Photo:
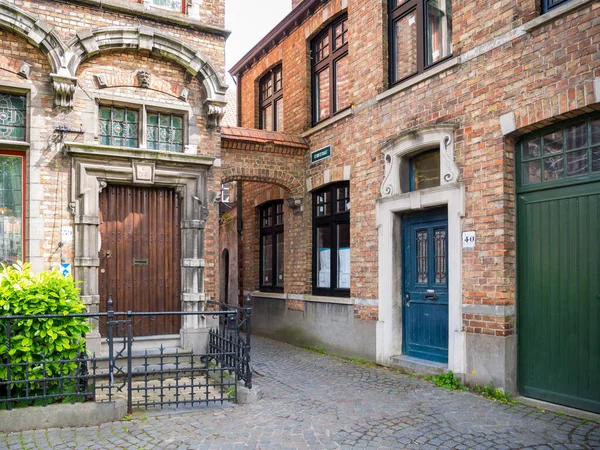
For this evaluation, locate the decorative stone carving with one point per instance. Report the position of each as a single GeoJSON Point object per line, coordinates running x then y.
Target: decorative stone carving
{"type": "Point", "coordinates": [451, 170]}
{"type": "Point", "coordinates": [102, 185]}
{"type": "Point", "coordinates": [183, 94]}
{"type": "Point", "coordinates": [144, 78]}
{"type": "Point", "coordinates": [215, 112]}
{"type": "Point", "coordinates": [295, 204]}
{"type": "Point", "coordinates": [64, 90]}
{"type": "Point", "coordinates": [24, 70]}
{"type": "Point", "coordinates": [101, 80]}
{"type": "Point", "coordinates": [143, 172]}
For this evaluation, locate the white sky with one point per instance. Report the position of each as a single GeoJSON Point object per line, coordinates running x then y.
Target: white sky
{"type": "Point", "coordinates": [249, 21]}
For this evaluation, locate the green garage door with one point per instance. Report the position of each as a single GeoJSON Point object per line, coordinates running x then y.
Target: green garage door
{"type": "Point", "coordinates": [558, 244]}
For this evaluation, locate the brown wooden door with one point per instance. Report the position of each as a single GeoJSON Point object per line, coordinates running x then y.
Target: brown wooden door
{"type": "Point", "coordinates": [140, 254]}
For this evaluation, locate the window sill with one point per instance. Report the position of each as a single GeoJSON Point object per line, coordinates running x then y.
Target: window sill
{"type": "Point", "coordinates": [14, 145]}
{"type": "Point", "coordinates": [158, 14]}
{"type": "Point", "coordinates": [305, 297]}
{"type": "Point", "coordinates": [555, 13]}
{"type": "Point", "coordinates": [436, 70]}
{"type": "Point", "coordinates": [88, 149]}
{"type": "Point", "coordinates": [327, 122]}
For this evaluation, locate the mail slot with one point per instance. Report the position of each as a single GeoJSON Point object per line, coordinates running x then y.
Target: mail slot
{"type": "Point", "coordinates": [140, 262]}
{"type": "Point", "coordinates": [429, 297]}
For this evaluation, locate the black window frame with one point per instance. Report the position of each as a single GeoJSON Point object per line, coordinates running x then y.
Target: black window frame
{"type": "Point", "coordinates": [333, 220]}
{"type": "Point", "coordinates": [397, 10]}
{"type": "Point", "coordinates": [275, 229]}
{"type": "Point", "coordinates": [327, 63]}
{"type": "Point", "coordinates": [270, 100]}
{"type": "Point", "coordinates": [548, 5]}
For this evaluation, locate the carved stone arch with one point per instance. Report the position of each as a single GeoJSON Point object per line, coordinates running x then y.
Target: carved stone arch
{"type": "Point", "coordinates": [88, 43]}
{"type": "Point", "coordinates": [413, 141]}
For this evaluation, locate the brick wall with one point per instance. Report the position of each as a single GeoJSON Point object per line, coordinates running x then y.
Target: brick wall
{"type": "Point", "coordinates": [545, 74]}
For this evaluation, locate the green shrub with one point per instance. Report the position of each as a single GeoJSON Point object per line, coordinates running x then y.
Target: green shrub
{"type": "Point", "coordinates": [447, 380]}
{"type": "Point", "coordinates": [493, 393]}
{"type": "Point", "coordinates": [34, 340]}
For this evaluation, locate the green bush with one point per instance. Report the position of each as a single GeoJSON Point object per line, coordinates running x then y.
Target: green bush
{"type": "Point", "coordinates": [35, 340]}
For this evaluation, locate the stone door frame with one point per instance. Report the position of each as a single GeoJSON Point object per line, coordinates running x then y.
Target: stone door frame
{"type": "Point", "coordinates": [93, 168]}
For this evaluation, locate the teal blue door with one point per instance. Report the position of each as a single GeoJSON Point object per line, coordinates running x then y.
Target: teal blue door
{"type": "Point", "coordinates": [425, 294]}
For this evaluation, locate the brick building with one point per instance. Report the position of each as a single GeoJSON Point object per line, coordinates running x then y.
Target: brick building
{"type": "Point", "coordinates": [420, 187]}
{"type": "Point", "coordinates": [110, 151]}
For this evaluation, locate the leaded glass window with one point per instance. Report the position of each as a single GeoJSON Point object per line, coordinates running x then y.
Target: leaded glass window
{"type": "Point", "coordinates": [556, 154]}
{"type": "Point", "coordinates": [165, 132]}
{"type": "Point", "coordinates": [119, 127]}
{"type": "Point", "coordinates": [12, 117]}
{"type": "Point", "coordinates": [11, 208]}
{"type": "Point", "coordinates": [425, 170]}
{"type": "Point", "coordinates": [176, 5]}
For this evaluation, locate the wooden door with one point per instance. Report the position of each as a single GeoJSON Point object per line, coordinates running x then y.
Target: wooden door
{"type": "Point", "coordinates": [425, 296]}
{"type": "Point", "coordinates": [559, 295]}
{"type": "Point", "coordinates": [140, 254]}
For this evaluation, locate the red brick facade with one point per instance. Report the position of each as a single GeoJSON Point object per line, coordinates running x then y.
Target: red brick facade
{"type": "Point", "coordinates": [508, 61]}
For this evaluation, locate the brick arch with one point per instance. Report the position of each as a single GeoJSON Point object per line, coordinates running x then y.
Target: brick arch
{"type": "Point", "coordinates": [259, 174]}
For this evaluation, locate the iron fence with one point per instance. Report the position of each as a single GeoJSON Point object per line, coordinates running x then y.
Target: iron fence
{"type": "Point", "coordinates": [155, 377]}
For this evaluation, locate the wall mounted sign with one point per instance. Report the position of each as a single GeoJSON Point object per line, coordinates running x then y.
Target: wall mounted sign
{"type": "Point", "coordinates": [468, 239]}
{"type": "Point", "coordinates": [322, 153]}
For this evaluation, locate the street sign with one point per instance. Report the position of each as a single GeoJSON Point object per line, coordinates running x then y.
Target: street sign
{"type": "Point", "coordinates": [320, 154]}
{"type": "Point", "coordinates": [65, 269]}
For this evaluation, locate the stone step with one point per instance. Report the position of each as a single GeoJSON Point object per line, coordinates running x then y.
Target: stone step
{"type": "Point", "coordinates": [418, 366]}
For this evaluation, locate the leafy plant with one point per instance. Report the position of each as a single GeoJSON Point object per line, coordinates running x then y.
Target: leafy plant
{"type": "Point", "coordinates": [319, 350]}
{"type": "Point", "coordinates": [230, 392]}
{"type": "Point", "coordinates": [492, 393]}
{"type": "Point", "coordinates": [447, 380]}
{"type": "Point", "coordinates": [36, 345]}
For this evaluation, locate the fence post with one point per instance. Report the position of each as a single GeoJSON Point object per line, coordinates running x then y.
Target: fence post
{"type": "Point", "coordinates": [129, 357]}
{"type": "Point", "coordinates": [248, 314]}
{"type": "Point", "coordinates": [8, 364]}
{"type": "Point", "coordinates": [111, 357]}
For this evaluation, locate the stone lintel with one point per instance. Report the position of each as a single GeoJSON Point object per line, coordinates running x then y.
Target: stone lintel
{"type": "Point", "coordinates": [489, 310]}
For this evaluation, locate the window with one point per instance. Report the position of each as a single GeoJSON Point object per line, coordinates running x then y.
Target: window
{"type": "Point", "coordinates": [547, 5]}
{"type": "Point", "coordinates": [556, 154]}
{"type": "Point", "coordinates": [12, 117]}
{"type": "Point", "coordinates": [425, 170]}
{"type": "Point", "coordinates": [122, 127]}
{"type": "Point", "coordinates": [174, 5]}
{"type": "Point", "coordinates": [271, 101]}
{"type": "Point", "coordinates": [420, 35]}
{"type": "Point", "coordinates": [331, 240]}
{"type": "Point", "coordinates": [271, 246]}
{"type": "Point", "coordinates": [330, 70]}
{"type": "Point", "coordinates": [12, 218]}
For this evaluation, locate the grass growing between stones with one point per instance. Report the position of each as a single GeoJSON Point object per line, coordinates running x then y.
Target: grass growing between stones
{"type": "Point", "coordinates": [495, 394]}
{"type": "Point", "coordinates": [351, 359]}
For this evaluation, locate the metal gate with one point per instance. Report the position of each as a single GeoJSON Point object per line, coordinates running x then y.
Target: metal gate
{"type": "Point", "coordinates": [153, 378]}
{"type": "Point", "coordinates": [558, 244]}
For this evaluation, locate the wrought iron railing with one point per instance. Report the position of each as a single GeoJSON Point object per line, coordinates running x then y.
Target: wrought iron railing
{"type": "Point", "coordinates": [145, 379]}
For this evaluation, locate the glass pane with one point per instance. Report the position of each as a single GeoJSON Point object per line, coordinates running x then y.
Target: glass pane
{"type": "Point", "coordinates": [119, 127]}
{"type": "Point", "coordinates": [324, 204]}
{"type": "Point", "coordinates": [343, 199]}
{"type": "Point", "coordinates": [164, 132]}
{"type": "Point", "coordinates": [266, 87]}
{"type": "Point", "coordinates": [342, 84]}
{"type": "Point", "coordinates": [278, 80]}
{"type": "Point", "coordinates": [596, 159]}
{"type": "Point", "coordinates": [439, 238]}
{"type": "Point", "coordinates": [426, 170]}
{"type": "Point", "coordinates": [11, 209]}
{"type": "Point", "coordinates": [531, 149]}
{"type": "Point", "coordinates": [322, 89]}
{"type": "Point", "coordinates": [12, 117]}
{"type": "Point", "coordinates": [279, 115]}
{"type": "Point", "coordinates": [421, 255]}
{"type": "Point", "coordinates": [595, 125]}
{"type": "Point", "coordinates": [279, 214]}
{"type": "Point", "coordinates": [267, 260]}
{"type": "Point", "coordinates": [576, 136]}
{"type": "Point", "coordinates": [532, 172]}
{"type": "Point", "coordinates": [323, 257]}
{"type": "Point", "coordinates": [577, 163]}
{"type": "Point", "coordinates": [169, 4]}
{"type": "Point", "coordinates": [554, 167]}
{"type": "Point", "coordinates": [405, 46]}
{"type": "Point", "coordinates": [280, 260]}
{"type": "Point", "coordinates": [553, 143]}
{"type": "Point", "coordinates": [268, 118]}
{"type": "Point", "coordinates": [322, 49]}
{"type": "Point", "coordinates": [340, 33]}
{"type": "Point", "coordinates": [343, 275]}
{"type": "Point", "coordinates": [438, 29]}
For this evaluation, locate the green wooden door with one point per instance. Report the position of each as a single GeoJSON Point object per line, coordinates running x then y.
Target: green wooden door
{"type": "Point", "coordinates": [558, 241]}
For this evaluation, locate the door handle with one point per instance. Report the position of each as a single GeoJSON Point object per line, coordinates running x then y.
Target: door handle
{"type": "Point", "coordinates": [108, 254]}
{"type": "Point", "coordinates": [429, 297]}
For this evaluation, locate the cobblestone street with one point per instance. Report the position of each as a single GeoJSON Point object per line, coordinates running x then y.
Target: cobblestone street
{"type": "Point", "coordinates": [316, 401]}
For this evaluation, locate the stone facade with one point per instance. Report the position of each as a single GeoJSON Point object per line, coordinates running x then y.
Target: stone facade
{"type": "Point", "coordinates": [513, 69]}
{"type": "Point", "coordinates": [68, 58]}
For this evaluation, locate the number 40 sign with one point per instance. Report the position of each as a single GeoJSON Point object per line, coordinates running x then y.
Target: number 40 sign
{"type": "Point", "coordinates": [468, 239]}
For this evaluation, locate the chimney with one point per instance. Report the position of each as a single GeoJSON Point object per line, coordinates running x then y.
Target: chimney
{"type": "Point", "coordinates": [296, 3]}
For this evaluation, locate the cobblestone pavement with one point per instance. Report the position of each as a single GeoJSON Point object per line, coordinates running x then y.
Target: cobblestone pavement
{"type": "Point", "coordinates": [322, 402]}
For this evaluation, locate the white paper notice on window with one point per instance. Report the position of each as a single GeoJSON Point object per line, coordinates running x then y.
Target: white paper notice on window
{"type": "Point", "coordinates": [67, 234]}
{"type": "Point", "coordinates": [344, 268]}
{"type": "Point", "coordinates": [411, 20]}
{"type": "Point", "coordinates": [324, 268]}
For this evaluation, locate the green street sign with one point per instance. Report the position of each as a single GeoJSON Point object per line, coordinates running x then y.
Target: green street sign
{"type": "Point", "coordinates": [320, 154]}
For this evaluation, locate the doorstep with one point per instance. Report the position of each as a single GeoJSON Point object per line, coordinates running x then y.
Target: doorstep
{"type": "Point", "coordinates": [556, 408]}
{"type": "Point", "coordinates": [418, 366]}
